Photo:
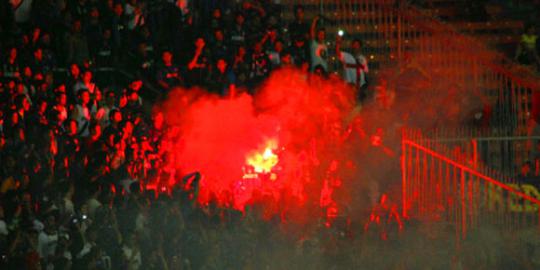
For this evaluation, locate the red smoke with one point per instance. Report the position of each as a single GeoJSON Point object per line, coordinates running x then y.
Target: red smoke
{"type": "Point", "coordinates": [308, 117]}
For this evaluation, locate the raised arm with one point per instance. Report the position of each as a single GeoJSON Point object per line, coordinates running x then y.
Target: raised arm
{"type": "Point", "coordinates": [313, 31]}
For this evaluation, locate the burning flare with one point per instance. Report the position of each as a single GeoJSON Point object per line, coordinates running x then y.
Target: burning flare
{"type": "Point", "coordinates": [263, 160]}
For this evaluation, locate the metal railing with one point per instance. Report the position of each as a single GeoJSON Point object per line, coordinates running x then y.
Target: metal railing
{"type": "Point", "coordinates": [494, 148]}
{"type": "Point", "coordinates": [445, 186]}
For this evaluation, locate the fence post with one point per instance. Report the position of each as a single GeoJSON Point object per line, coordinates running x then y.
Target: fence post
{"type": "Point", "coordinates": [463, 204]}
{"type": "Point", "coordinates": [404, 177]}
{"type": "Point", "coordinates": [474, 143]}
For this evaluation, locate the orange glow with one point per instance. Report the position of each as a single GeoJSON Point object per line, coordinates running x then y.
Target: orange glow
{"type": "Point", "coordinates": [264, 159]}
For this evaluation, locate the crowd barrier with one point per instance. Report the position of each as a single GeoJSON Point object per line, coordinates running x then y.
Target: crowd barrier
{"type": "Point", "coordinates": [493, 148]}
{"type": "Point", "coordinates": [446, 186]}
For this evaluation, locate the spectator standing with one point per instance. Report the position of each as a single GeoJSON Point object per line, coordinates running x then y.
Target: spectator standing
{"type": "Point", "coordinates": [222, 80]}
{"type": "Point", "coordinates": [260, 66]}
{"type": "Point", "coordinates": [318, 48]}
{"type": "Point", "coordinates": [527, 53]}
{"type": "Point", "coordinates": [168, 74]}
{"type": "Point", "coordinates": [299, 28]}
{"type": "Point", "coordinates": [198, 64]}
{"type": "Point", "coordinates": [355, 66]}
{"type": "Point", "coordinates": [241, 67]}
{"type": "Point", "coordinates": [77, 44]}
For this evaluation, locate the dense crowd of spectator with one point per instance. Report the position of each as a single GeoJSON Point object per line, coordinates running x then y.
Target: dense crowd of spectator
{"type": "Point", "coordinates": [75, 149]}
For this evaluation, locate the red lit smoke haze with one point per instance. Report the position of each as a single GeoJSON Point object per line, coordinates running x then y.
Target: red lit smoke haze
{"type": "Point", "coordinates": [323, 139]}
{"type": "Point", "coordinates": [216, 133]}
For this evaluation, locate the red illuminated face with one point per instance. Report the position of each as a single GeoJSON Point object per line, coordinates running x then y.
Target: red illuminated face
{"type": "Point", "coordinates": [167, 58]}
{"type": "Point", "coordinates": [14, 118]}
{"type": "Point", "coordinates": [77, 26]}
{"type": "Point", "coordinates": [38, 54]}
{"type": "Point", "coordinates": [299, 14]}
{"type": "Point", "coordinates": [74, 70]}
{"type": "Point", "coordinates": [241, 51]}
{"type": "Point", "coordinates": [27, 72]}
{"type": "Point", "coordinates": [134, 97]}
{"type": "Point", "coordinates": [62, 99]}
{"type": "Point", "coordinates": [118, 9]}
{"type": "Point", "coordinates": [73, 127]}
{"type": "Point", "coordinates": [218, 34]}
{"type": "Point", "coordinates": [321, 35]}
{"type": "Point", "coordinates": [136, 85]}
{"type": "Point", "coordinates": [221, 65]}
{"type": "Point", "coordinates": [117, 117]}
{"type": "Point", "coordinates": [356, 45]}
{"type": "Point", "coordinates": [94, 13]}
{"type": "Point", "coordinates": [13, 53]}
{"type": "Point", "coordinates": [87, 77]}
{"type": "Point", "coordinates": [216, 13]}
{"type": "Point", "coordinates": [85, 97]}
{"type": "Point", "coordinates": [199, 43]}
{"type": "Point", "coordinates": [43, 107]}
{"type": "Point", "coordinates": [96, 131]}
{"type": "Point", "coordinates": [26, 104]}
{"type": "Point", "coordinates": [158, 120]}
{"type": "Point", "coordinates": [239, 19]}
{"type": "Point", "coordinates": [278, 47]}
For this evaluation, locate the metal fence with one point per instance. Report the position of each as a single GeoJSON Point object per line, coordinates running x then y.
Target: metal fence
{"type": "Point", "coordinates": [442, 185]}
{"type": "Point", "coordinates": [496, 149]}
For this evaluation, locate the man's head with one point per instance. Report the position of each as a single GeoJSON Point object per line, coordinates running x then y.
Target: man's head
{"type": "Point", "coordinates": [221, 65]}
{"type": "Point", "coordinates": [321, 35]}
{"type": "Point", "coordinates": [286, 59]}
{"type": "Point", "coordinates": [218, 34]}
{"type": "Point", "coordinates": [76, 26]}
{"type": "Point", "coordinates": [278, 46]}
{"type": "Point", "coordinates": [61, 98]}
{"type": "Point", "coordinates": [87, 76]}
{"type": "Point", "coordinates": [299, 42]}
{"type": "Point", "coordinates": [356, 44]}
{"type": "Point", "coordinates": [13, 53]}
{"type": "Point", "coordinates": [299, 12]}
{"type": "Point", "coordinates": [199, 43]}
{"type": "Point", "coordinates": [115, 116]}
{"type": "Point", "coordinates": [42, 105]}
{"type": "Point", "coordinates": [158, 119]}
{"type": "Point", "coordinates": [239, 19]}
{"type": "Point", "coordinates": [118, 9]}
{"type": "Point", "coordinates": [38, 54]}
{"type": "Point", "coordinates": [166, 57]}
{"type": "Point", "coordinates": [110, 98]}
{"type": "Point", "coordinates": [136, 85]}
{"type": "Point", "coordinates": [72, 126]}
{"type": "Point", "coordinates": [84, 96]}
{"type": "Point", "coordinates": [74, 70]}
{"type": "Point", "coordinates": [94, 13]}
{"type": "Point", "coordinates": [95, 130]}
{"type": "Point", "coordinates": [216, 13]}
{"type": "Point", "coordinates": [133, 96]}
{"type": "Point", "coordinates": [22, 103]}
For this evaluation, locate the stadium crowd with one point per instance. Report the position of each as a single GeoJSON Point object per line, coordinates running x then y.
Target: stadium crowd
{"type": "Point", "coordinates": [76, 148]}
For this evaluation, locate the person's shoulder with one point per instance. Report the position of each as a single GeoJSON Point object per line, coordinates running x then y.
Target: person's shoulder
{"type": "Point", "coordinates": [347, 57]}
